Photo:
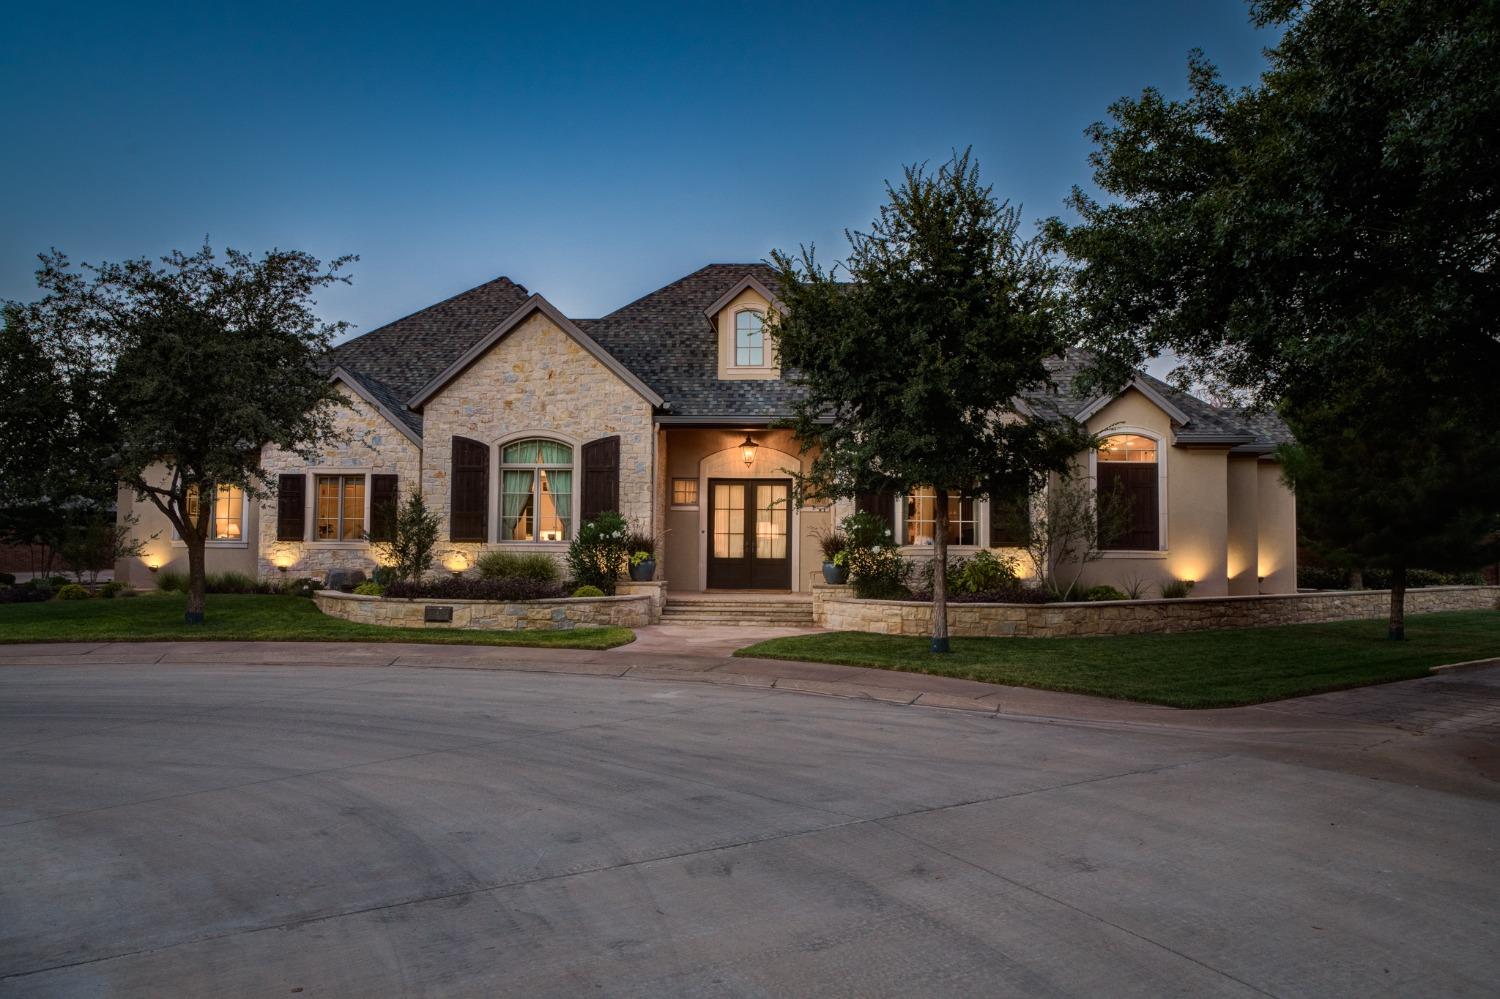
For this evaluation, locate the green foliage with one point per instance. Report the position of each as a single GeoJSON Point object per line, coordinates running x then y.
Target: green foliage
{"type": "Point", "coordinates": [1069, 529]}
{"type": "Point", "coordinates": [588, 591]}
{"type": "Point", "coordinates": [171, 581]}
{"type": "Point", "coordinates": [500, 564]}
{"type": "Point", "coordinates": [369, 589]}
{"type": "Point", "coordinates": [6, 579]}
{"type": "Point", "coordinates": [1176, 589]}
{"type": "Point", "coordinates": [879, 573]}
{"type": "Point", "coordinates": [90, 546]}
{"type": "Point", "coordinates": [982, 572]}
{"type": "Point", "coordinates": [111, 589]}
{"type": "Point", "coordinates": [1103, 592]}
{"type": "Point", "coordinates": [865, 530]}
{"type": "Point", "coordinates": [832, 544]}
{"type": "Point", "coordinates": [600, 552]}
{"type": "Point", "coordinates": [414, 538]}
{"type": "Point", "coordinates": [232, 582]}
{"type": "Point", "coordinates": [641, 541]}
{"type": "Point", "coordinates": [73, 591]}
{"type": "Point", "coordinates": [127, 592]}
{"type": "Point", "coordinates": [304, 587]}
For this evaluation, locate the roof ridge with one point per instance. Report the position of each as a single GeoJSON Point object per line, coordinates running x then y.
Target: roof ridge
{"type": "Point", "coordinates": [500, 279]}
{"type": "Point", "coordinates": [677, 281]}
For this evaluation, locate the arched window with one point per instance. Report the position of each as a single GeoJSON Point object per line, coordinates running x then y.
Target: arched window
{"type": "Point", "coordinates": [536, 491]}
{"type": "Point", "coordinates": [1127, 467]}
{"type": "Point", "coordinates": [749, 339]}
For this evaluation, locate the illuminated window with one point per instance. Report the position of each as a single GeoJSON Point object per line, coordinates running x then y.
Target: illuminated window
{"type": "Point", "coordinates": [1127, 447]}
{"type": "Point", "coordinates": [921, 518]}
{"type": "Point", "coordinates": [1127, 472]}
{"type": "Point", "coordinates": [749, 339]}
{"type": "Point", "coordinates": [228, 523]}
{"type": "Point", "coordinates": [536, 491]}
{"type": "Point", "coordinates": [684, 492]}
{"type": "Point", "coordinates": [340, 508]}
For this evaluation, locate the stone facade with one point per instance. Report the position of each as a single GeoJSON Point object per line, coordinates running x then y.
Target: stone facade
{"type": "Point", "coordinates": [371, 444]}
{"type": "Point", "coordinates": [834, 608]}
{"type": "Point", "coordinates": [565, 614]}
{"type": "Point", "coordinates": [537, 381]}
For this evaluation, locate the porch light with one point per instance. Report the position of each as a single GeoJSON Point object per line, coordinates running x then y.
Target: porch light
{"type": "Point", "coordinates": [747, 450]}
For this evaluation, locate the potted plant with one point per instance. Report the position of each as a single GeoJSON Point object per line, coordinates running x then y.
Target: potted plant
{"type": "Point", "coordinates": [835, 545]}
{"type": "Point", "coordinates": [642, 556]}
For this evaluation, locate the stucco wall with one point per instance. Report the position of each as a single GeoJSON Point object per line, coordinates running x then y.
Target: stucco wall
{"type": "Point", "coordinates": [833, 608]}
{"type": "Point", "coordinates": [537, 380]}
{"type": "Point", "coordinates": [169, 554]}
{"type": "Point", "coordinates": [1276, 531]}
{"type": "Point", "coordinates": [530, 615]}
{"type": "Point", "coordinates": [1244, 526]}
{"type": "Point", "coordinates": [371, 444]}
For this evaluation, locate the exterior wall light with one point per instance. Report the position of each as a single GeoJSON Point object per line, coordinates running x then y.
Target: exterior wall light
{"type": "Point", "coordinates": [154, 564]}
{"type": "Point", "coordinates": [457, 562]}
{"type": "Point", "coordinates": [747, 450]}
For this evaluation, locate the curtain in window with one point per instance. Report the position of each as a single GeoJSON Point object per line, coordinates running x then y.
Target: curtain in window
{"type": "Point", "coordinates": [515, 498]}
{"type": "Point", "coordinates": [537, 452]}
{"type": "Point", "coordinates": [558, 484]}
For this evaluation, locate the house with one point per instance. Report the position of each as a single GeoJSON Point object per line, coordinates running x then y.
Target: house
{"type": "Point", "coordinates": [518, 423]}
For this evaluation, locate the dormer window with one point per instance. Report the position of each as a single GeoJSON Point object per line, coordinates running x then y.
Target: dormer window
{"type": "Point", "coordinates": [749, 339]}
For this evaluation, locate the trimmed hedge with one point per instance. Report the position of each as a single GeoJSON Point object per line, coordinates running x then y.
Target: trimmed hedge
{"type": "Point", "coordinates": [466, 588]}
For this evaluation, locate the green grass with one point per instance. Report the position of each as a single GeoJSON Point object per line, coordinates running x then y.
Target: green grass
{"type": "Point", "coordinates": [251, 618]}
{"type": "Point", "coordinates": [1204, 669]}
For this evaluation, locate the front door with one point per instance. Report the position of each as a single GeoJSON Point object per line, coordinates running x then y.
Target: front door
{"type": "Point", "coordinates": [749, 544]}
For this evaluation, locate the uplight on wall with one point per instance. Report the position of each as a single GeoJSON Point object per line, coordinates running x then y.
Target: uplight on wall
{"type": "Point", "coordinates": [284, 561]}
{"type": "Point", "coordinates": [154, 563]}
{"type": "Point", "coordinates": [456, 563]}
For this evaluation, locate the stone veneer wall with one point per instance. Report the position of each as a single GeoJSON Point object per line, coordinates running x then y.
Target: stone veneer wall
{"type": "Point", "coordinates": [564, 614]}
{"type": "Point", "coordinates": [834, 608]}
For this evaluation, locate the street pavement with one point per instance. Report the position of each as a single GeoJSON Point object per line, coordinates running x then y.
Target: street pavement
{"type": "Point", "coordinates": [342, 820]}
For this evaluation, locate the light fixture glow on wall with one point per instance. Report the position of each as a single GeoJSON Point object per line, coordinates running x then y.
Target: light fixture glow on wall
{"type": "Point", "coordinates": [747, 450]}
{"type": "Point", "coordinates": [154, 564]}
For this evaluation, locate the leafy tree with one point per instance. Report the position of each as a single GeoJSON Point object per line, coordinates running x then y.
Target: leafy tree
{"type": "Point", "coordinates": [414, 537]}
{"type": "Point", "coordinates": [95, 545]}
{"type": "Point", "coordinates": [913, 367]}
{"type": "Point", "coordinates": [204, 362]}
{"type": "Point", "coordinates": [1324, 242]}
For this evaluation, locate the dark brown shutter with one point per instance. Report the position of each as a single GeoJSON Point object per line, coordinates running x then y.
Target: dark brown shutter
{"type": "Point", "coordinates": [601, 476]}
{"type": "Point", "coordinates": [882, 503]}
{"type": "Point", "coordinates": [291, 507]}
{"type": "Point", "coordinates": [1137, 482]}
{"type": "Point", "coordinates": [383, 507]}
{"type": "Point", "coordinates": [1010, 514]}
{"type": "Point", "coordinates": [469, 502]}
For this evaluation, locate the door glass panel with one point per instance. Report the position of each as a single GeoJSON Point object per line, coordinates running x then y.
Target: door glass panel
{"type": "Point", "coordinates": [729, 520]}
{"type": "Point", "coordinates": [770, 521]}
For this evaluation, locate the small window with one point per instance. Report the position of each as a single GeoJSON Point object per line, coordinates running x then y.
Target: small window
{"type": "Point", "coordinates": [1127, 447]}
{"type": "Point", "coordinates": [749, 339]}
{"type": "Point", "coordinates": [228, 523]}
{"type": "Point", "coordinates": [684, 492]}
{"type": "Point", "coordinates": [341, 508]}
{"type": "Point", "coordinates": [921, 518]}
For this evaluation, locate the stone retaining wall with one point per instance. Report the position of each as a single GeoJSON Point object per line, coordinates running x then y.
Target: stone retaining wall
{"type": "Point", "coordinates": [564, 614]}
{"type": "Point", "coordinates": [834, 608]}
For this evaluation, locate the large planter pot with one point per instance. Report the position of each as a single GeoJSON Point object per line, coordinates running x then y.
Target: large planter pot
{"type": "Point", "coordinates": [642, 573]}
{"type": "Point", "coordinates": [838, 575]}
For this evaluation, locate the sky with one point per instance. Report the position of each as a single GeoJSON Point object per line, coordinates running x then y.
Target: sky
{"type": "Point", "coordinates": [589, 152]}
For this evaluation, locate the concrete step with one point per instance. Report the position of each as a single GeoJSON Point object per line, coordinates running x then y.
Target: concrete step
{"type": "Point", "coordinates": [691, 614]}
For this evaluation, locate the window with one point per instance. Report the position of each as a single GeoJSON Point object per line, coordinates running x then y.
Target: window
{"type": "Point", "coordinates": [341, 508]}
{"type": "Point", "coordinates": [749, 339]}
{"type": "Point", "coordinates": [536, 491]}
{"type": "Point", "coordinates": [684, 492]}
{"type": "Point", "coordinates": [228, 522]}
{"type": "Point", "coordinates": [921, 518]}
{"type": "Point", "coordinates": [1127, 468]}
{"type": "Point", "coordinates": [1010, 514]}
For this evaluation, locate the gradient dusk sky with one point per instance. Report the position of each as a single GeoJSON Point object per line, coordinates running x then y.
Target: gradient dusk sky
{"type": "Point", "coordinates": [591, 153]}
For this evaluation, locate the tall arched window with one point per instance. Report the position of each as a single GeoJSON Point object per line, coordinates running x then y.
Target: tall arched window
{"type": "Point", "coordinates": [536, 491]}
{"type": "Point", "coordinates": [749, 339]}
{"type": "Point", "coordinates": [1127, 466]}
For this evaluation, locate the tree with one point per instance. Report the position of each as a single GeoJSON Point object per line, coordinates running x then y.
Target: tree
{"type": "Point", "coordinates": [1324, 242]}
{"type": "Point", "coordinates": [1068, 528]}
{"type": "Point", "coordinates": [203, 362]}
{"type": "Point", "coordinates": [414, 537]}
{"type": "Point", "coordinates": [913, 367]}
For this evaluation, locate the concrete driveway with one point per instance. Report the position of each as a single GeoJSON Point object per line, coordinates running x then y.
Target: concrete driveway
{"type": "Point", "coordinates": [203, 828]}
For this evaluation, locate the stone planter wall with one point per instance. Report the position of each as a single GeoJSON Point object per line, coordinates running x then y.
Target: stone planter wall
{"type": "Point", "coordinates": [632, 611]}
{"type": "Point", "coordinates": [835, 608]}
{"type": "Point", "coordinates": [656, 589]}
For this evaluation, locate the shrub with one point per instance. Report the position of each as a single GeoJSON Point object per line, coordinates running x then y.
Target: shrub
{"type": "Point", "coordinates": [172, 582]}
{"type": "Point", "coordinates": [127, 592]}
{"type": "Point", "coordinates": [385, 575]}
{"type": "Point", "coordinates": [865, 530]}
{"type": "Point", "coordinates": [6, 579]}
{"type": "Point", "coordinates": [25, 594]}
{"type": "Point", "coordinates": [304, 587]}
{"type": "Point", "coordinates": [518, 565]}
{"type": "Point", "coordinates": [73, 591]}
{"type": "Point", "coordinates": [1011, 595]}
{"type": "Point", "coordinates": [1176, 589]}
{"type": "Point", "coordinates": [588, 591]}
{"type": "Point", "coordinates": [111, 589]}
{"type": "Point", "coordinates": [831, 543]}
{"type": "Point", "coordinates": [369, 589]}
{"type": "Point", "coordinates": [983, 572]}
{"type": "Point", "coordinates": [466, 588]}
{"type": "Point", "coordinates": [600, 552]}
{"type": "Point", "coordinates": [1103, 593]}
{"type": "Point", "coordinates": [56, 582]}
{"type": "Point", "coordinates": [230, 582]}
{"type": "Point", "coordinates": [879, 573]}
{"type": "Point", "coordinates": [414, 537]}
{"type": "Point", "coordinates": [640, 541]}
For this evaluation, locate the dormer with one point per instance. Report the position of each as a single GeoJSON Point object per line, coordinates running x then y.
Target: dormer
{"type": "Point", "coordinates": [741, 317]}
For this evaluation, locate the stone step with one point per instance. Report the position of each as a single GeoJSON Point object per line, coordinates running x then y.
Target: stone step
{"type": "Point", "coordinates": [804, 618]}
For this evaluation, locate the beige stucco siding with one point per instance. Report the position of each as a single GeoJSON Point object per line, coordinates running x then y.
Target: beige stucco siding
{"type": "Point", "coordinates": [1243, 556]}
{"type": "Point", "coordinates": [163, 550]}
{"type": "Point", "coordinates": [538, 381]}
{"type": "Point", "coordinates": [1276, 531]}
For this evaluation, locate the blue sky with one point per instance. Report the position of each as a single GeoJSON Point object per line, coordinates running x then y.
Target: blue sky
{"type": "Point", "coordinates": [591, 153]}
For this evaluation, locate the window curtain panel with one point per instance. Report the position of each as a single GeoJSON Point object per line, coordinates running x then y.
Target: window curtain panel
{"type": "Point", "coordinates": [560, 485]}
{"type": "Point", "coordinates": [537, 452]}
{"type": "Point", "coordinates": [515, 496]}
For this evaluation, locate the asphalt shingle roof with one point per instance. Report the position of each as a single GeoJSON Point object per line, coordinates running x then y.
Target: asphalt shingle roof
{"type": "Point", "coordinates": [666, 339]}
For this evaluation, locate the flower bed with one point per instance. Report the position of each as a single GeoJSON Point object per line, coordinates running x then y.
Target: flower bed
{"type": "Point", "coordinates": [549, 614]}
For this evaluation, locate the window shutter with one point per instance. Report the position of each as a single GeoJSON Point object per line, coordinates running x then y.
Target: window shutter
{"type": "Point", "coordinates": [882, 503]}
{"type": "Point", "coordinates": [601, 476]}
{"type": "Point", "coordinates": [383, 507]}
{"type": "Point", "coordinates": [291, 507]}
{"type": "Point", "coordinates": [469, 485]}
{"type": "Point", "coordinates": [1010, 514]}
{"type": "Point", "coordinates": [1137, 483]}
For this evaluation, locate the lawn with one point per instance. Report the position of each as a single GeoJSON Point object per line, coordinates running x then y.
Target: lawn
{"type": "Point", "coordinates": [1203, 669]}
{"type": "Point", "coordinates": [246, 618]}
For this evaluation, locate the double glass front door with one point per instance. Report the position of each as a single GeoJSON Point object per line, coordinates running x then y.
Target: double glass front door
{"type": "Point", "coordinates": [749, 541]}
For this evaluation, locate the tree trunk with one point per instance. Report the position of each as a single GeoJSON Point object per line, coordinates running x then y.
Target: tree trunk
{"type": "Point", "coordinates": [940, 641]}
{"type": "Point", "coordinates": [197, 582]}
{"type": "Point", "coordinates": [1356, 579]}
{"type": "Point", "coordinates": [1396, 631]}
